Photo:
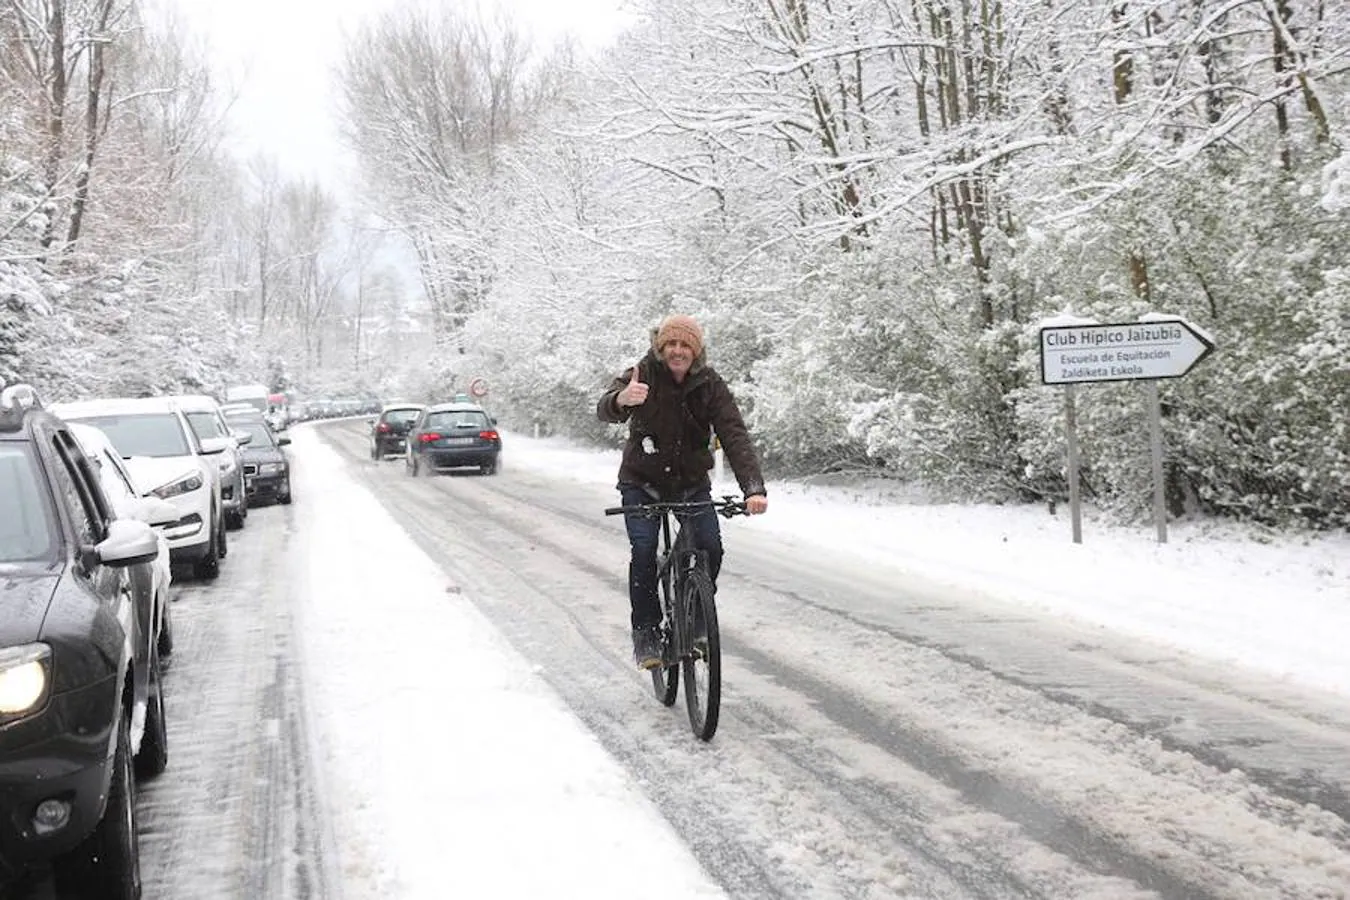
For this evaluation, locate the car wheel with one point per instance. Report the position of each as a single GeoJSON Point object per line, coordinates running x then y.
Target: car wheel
{"type": "Point", "coordinates": [375, 451]}
{"type": "Point", "coordinates": [223, 545]}
{"type": "Point", "coordinates": [416, 468]}
{"type": "Point", "coordinates": [208, 567]}
{"type": "Point", "coordinates": [164, 643]}
{"type": "Point", "coordinates": [285, 499]}
{"type": "Point", "coordinates": [153, 756]}
{"type": "Point", "coordinates": [107, 863]}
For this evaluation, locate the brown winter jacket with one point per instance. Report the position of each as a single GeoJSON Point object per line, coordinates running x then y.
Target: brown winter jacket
{"type": "Point", "coordinates": [670, 435]}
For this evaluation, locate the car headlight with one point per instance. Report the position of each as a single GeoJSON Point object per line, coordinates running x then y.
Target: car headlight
{"type": "Point", "coordinates": [181, 486]}
{"type": "Point", "coordinates": [271, 468]}
{"type": "Point", "coordinates": [24, 677]}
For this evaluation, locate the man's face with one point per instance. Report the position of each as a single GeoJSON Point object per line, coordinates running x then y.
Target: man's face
{"type": "Point", "coordinates": [678, 357]}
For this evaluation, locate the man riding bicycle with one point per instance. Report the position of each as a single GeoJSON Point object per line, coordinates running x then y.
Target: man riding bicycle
{"type": "Point", "coordinates": [674, 403]}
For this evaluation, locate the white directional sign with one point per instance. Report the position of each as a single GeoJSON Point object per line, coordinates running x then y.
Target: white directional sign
{"type": "Point", "coordinates": [1124, 351]}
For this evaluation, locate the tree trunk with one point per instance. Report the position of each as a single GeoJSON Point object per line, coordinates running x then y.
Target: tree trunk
{"type": "Point", "coordinates": [93, 99]}
{"type": "Point", "coordinates": [1279, 21]}
{"type": "Point", "coordinates": [57, 88]}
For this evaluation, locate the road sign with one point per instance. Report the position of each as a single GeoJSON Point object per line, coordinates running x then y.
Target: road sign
{"type": "Point", "coordinates": [478, 387]}
{"type": "Point", "coordinates": [1124, 351]}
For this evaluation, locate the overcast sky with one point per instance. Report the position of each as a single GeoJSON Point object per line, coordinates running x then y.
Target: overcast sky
{"type": "Point", "coordinates": [279, 56]}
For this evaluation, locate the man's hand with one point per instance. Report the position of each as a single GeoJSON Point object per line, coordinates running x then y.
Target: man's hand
{"type": "Point", "coordinates": [635, 394]}
{"type": "Point", "coordinates": [756, 504]}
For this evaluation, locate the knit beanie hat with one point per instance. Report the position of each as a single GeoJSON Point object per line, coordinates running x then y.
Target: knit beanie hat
{"type": "Point", "coordinates": [682, 328]}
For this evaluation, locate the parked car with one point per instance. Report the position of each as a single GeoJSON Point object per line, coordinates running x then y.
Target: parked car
{"type": "Point", "coordinates": [389, 430]}
{"type": "Point", "coordinates": [265, 463]}
{"type": "Point", "coordinates": [254, 395]}
{"type": "Point", "coordinates": [80, 698]}
{"type": "Point", "coordinates": [204, 415]}
{"type": "Point", "coordinates": [150, 583]}
{"type": "Point", "coordinates": [454, 435]}
{"type": "Point", "coordinates": [164, 454]}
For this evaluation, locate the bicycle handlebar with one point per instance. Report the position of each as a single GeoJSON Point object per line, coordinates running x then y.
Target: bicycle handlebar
{"type": "Point", "coordinates": [726, 507]}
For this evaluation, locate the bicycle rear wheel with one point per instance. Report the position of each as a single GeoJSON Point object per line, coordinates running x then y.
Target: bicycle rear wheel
{"type": "Point", "coordinates": [703, 665]}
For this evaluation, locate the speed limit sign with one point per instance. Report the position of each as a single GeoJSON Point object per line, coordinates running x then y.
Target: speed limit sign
{"type": "Point", "coordinates": [478, 387]}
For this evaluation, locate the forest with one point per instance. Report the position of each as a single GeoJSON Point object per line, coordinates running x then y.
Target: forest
{"type": "Point", "coordinates": [873, 206]}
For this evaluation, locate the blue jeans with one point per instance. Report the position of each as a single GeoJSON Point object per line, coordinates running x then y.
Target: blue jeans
{"type": "Point", "coordinates": [644, 537]}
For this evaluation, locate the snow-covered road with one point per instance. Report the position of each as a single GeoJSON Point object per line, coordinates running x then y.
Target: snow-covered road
{"type": "Point", "coordinates": [882, 739]}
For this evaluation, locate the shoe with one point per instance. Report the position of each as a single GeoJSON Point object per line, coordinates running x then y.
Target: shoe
{"type": "Point", "coordinates": [647, 647]}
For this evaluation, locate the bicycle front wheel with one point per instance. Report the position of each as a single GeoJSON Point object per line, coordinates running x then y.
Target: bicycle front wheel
{"type": "Point", "coordinates": [703, 664]}
{"type": "Point", "coordinates": [666, 682]}
{"type": "Point", "coordinates": [666, 677]}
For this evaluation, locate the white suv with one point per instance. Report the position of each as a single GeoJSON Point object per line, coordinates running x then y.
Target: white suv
{"type": "Point", "coordinates": [203, 414]}
{"type": "Point", "coordinates": [166, 456]}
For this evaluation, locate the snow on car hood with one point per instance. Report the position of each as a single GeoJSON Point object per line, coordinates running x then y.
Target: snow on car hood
{"type": "Point", "coordinates": [262, 455]}
{"type": "Point", "coordinates": [153, 472]}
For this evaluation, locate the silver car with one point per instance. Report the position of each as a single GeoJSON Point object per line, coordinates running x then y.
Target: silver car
{"type": "Point", "coordinates": [204, 415]}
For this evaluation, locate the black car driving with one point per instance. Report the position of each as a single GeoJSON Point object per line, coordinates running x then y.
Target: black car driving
{"type": "Point", "coordinates": [389, 431]}
{"type": "Point", "coordinates": [451, 436]}
{"type": "Point", "coordinates": [81, 708]}
{"type": "Point", "coordinates": [267, 468]}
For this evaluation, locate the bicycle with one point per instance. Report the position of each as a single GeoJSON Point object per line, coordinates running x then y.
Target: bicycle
{"type": "Point", "coordinates": [690, 637]}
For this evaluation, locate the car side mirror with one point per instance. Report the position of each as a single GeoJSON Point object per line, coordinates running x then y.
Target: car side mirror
{"type": "Point", "coordinates": [128, 543]}
{"type": "Point", "coordinates": [213, 445]}
{"type": "Point", "coordinates": [282, 440]}
{"type": "Point", "coordinates": [242, 437]}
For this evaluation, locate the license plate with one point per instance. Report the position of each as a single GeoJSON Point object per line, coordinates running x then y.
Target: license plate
{"type": "Point", "coordinates": [457, 442]}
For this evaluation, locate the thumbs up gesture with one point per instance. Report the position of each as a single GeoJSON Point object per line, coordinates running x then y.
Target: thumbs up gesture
{"type": "Point", "coordinates": [634, 393]}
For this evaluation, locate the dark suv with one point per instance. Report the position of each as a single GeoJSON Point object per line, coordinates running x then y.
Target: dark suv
{"type": "Point", "coordinates": [389, 431]}
{"type": "Point", "coordinates": [80, 698]}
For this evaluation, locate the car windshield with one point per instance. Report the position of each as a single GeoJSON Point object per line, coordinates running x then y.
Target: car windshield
{"type": "Point", "coordinates": [261, 434]}
{"type": "Point", "coordinates": [458, 419]}
{"type": "Point", "coordinates": [144, 434]}
{"type": "Point", "coordinates": [401, 416]}
{"type": "Point", "coordinates": [205, 424]}
{"type": "Point", "coordinates": [25, 531]}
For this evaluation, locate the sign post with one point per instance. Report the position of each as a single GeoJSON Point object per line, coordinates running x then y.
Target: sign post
{"type": "Point", "coordinates": [1156, 452]}
{"type": "Point", "coordinates": [1071, 439]}
{"type": "Point", "coordinates": [1152, 348]}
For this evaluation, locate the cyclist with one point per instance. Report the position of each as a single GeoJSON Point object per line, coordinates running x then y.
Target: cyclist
{"type": "Point", "coordinates": [674, 403]}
